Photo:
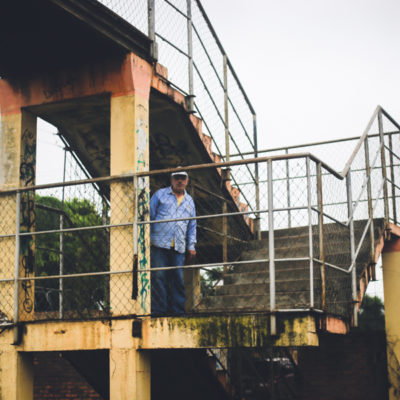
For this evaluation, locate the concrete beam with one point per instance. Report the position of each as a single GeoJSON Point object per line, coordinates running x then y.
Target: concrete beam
{"type": "Point", "coordinates": [227, 331]}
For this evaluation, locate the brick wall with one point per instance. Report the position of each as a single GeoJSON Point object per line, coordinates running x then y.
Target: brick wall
{"type": "Point", "coordinates": [345, 367]}
{"type": "Point", "coordinates": [56, 379]}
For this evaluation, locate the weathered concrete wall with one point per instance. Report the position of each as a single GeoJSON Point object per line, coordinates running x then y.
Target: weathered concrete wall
{"type": "Point", "coordinates": [391, 283]}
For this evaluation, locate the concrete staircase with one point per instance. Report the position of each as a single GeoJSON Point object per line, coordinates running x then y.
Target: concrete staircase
{"type": "Point", "coordinates": [246, 287]}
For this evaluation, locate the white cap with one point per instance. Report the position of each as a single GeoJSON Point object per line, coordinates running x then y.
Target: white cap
{"type": "Point", "coordinates": [179, 173]}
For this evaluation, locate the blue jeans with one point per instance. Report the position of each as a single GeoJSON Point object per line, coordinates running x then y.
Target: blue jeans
{"type": "Point", "coordinates": [167, 286]}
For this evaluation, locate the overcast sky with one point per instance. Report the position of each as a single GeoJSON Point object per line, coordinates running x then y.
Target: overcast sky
{"type": "Point", "coordinates": [313, 69]}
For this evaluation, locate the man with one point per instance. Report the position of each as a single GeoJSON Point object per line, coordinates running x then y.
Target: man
{"type": "Point", "coordinates": [169, 243]}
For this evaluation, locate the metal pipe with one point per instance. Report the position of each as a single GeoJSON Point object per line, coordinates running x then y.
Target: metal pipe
{"type": "Point", "coordinates": [347, 167]}
{"type": "Point", "coordinates": [369, 198]}
{"type": "Point", "coordinates": [17, 263]}
{"type": "Point", "coordinates": [288, 187]}
{"type": "Point", "coordinates": [329, 216]}
{"type": "Point", "coordinates": [317, 260]}
{"type": "Point", "coordinates": [151, 19]}
{"type": "Point", "coordinates": [392, 179]}
{"type": "Point", "coordinates": [310, 236]}
{"type": "Point", "coordinates": [190, 98]}
{"type": "Point", "coordinates": [170, 170]}
{"type": "Point", "coordinates": [225, 178]}
{"type": "Point", "coordinates": [225, 172]}
{"type": "Point", "coordinates": [383, 166]}
{"type": "Point", "coordinates": [226, 109]}
{"type": "Point", "coordinates": [176, 9]}
{"type": "Point", "coordinates": [200, 266]}
{"type": "Point", "coordinates": [365, 183]}
{"type": "Point", "coordinates": [321, 236]}
{"type": "Point", "coordinates": [257, 178]}
{"type": "Point", "coordinates": [211, 28]}
{"type": "Point", "coordinates": [135, 220]}
{"type": "Point", "coordinates": [61, 261]}
{"type": "Point", "coordinates": [272, 299]}
{"type": "Point", "coordinates": [311, 144]}
{"type": "Point", "coordinates": [352, 249]}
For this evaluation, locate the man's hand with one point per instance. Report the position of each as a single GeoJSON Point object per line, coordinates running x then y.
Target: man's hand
{"type": "Point", "coordinates": [190, 255]}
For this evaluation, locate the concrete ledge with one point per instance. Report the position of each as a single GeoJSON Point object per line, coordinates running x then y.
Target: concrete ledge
{"type": "Point", "coordinates": [228, 331]}
{"type": "Point", "coordinates": [168, 333]}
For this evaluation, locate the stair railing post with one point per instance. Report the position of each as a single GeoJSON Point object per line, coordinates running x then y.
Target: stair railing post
{"type": "Point", "coordinates": [190, 97]}
{"type": "Point", "coordinates": [310, 236]}
{"type": "Point", "coordinates": [369, 199]}
{"type": "Point", "coordinates": [271, 243]}
{"type": "Point", "coordinates": [16, 264]}
{"type": "Point", "coordinates": [226, 172]}
{"type": "Point", "coordinates": [226, 176]}
{"type": "Point", "coordinates": [321, 236]}
{"type": "Point", "coordinates": [257, 180]}
{"type": "Point", "coordinates": [352, 249]}
{"type": "Point", "coordinates": [288, 191]}
{"type": "Point", "coordinates": [383, 166]}
{"type": "Point", "coordinates": [226, 108]}
{"type": "Point", "coordinates": [61, 247]}
{"type": "Point", "coordinates": [392, 178]}
{"type": "Point", "coordinates": [151, 20]}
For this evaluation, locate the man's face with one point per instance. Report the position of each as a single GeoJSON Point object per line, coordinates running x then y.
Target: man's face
{"type": "Point", "coordinates": [179, 183]}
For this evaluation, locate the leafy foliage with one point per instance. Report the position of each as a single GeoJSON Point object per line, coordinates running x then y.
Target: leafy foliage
{"type": "Point", "coordinates": [372, 314]}
{"type": "Point", "coordinates": [83, 252]}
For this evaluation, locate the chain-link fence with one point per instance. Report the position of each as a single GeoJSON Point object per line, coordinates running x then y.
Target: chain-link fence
{"type": "Point", "coordinates": [187, 44]}
{"type": "Point", "coordinates": [118, 246]}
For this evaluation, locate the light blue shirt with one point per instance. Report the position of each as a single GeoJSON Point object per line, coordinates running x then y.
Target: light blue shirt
{"type": "Point", "coordinates": [164, 205]}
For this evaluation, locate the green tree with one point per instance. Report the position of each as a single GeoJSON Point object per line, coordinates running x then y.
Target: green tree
{"type": "Point", "coordinates": [372, 314]}
{"type": "Point", "coordinates": [83, 251]}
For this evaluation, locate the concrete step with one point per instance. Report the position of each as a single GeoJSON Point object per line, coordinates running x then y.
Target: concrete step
{"type": "Point", "coordinates": [227, 303]}
{"type": "Point", "coordinates": [263, 276]}
{"type": "Point", "coordinates": [255, 288]}
{"type": "Point", "coordinates": [264, 266]}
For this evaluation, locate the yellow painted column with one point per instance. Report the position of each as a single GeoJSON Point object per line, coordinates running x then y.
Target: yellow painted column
{"type": "Point", "coordinates": [17, 168]}
{"type": "Point", "coordinates": [130, 369]}
{"type": "Point", "coordinates": [16, 374]}
{"type": "Point", "coordinates": [130, 153]}
{"type": "Point", "coordinates": [391, 284]}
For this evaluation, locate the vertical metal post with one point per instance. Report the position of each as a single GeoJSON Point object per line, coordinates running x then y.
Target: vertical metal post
{"type": "Point", "coordinates": [352, 249]}
{"type": "Point", "coordinates": [272, 298]}
{"type": "Point", "coordinates": [288, 190]}
{"type": "Point", "coordinates": [383, 166]}
{"type": "Point", "coordinates": [190, 97]}
{"type": "Point", "coordinates": [392, 178]}
{"type": "Point", "coordinates": [16, 263]}
{"type": "Point", "coordinates": [321, 236]}
{"type": "Point", "coordinates": [310, 236]}
{"type": "Point", "coordinates": [369, 199]}
{"type": "Point", "coordinates": [226, 108]}
{"type": "Point", "coordinates": [135, 218]}
{"type": "Point", "coordinates": [151, 17]}
{"type": "Point", "coordinates": [226, 172]}
{"type": "Point", "coordinates": [135, 277]}
{"type": "Point", "coordinates": [225, 178]}
{"type": "Point", "coordinates": [257, 179]}
{"type": "Point", "coordinates": [61, 266]}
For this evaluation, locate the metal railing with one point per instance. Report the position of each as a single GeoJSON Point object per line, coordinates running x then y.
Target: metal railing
{"type": "Point", "coordinates": [311, 256]}
{"type": "Point", "coordinates": [185, 41]}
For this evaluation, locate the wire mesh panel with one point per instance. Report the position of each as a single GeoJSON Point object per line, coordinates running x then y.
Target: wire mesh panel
{"type": "Point", "coordinates": [89, 250]}
{"type": "Point", "coordinates": [135, 12]}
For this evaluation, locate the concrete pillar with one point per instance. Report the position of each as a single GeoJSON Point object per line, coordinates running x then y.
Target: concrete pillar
{"type": "Point", "coordinates": [130, 153]}
{"type": "Point", "coordinates": [16, 374]}
{"type": "Point", "coordinates": [17, 168]}
{"type": "Point", "coordinates": [391, 284]}
{"type": "Point", "coordinates": [130, 368]}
